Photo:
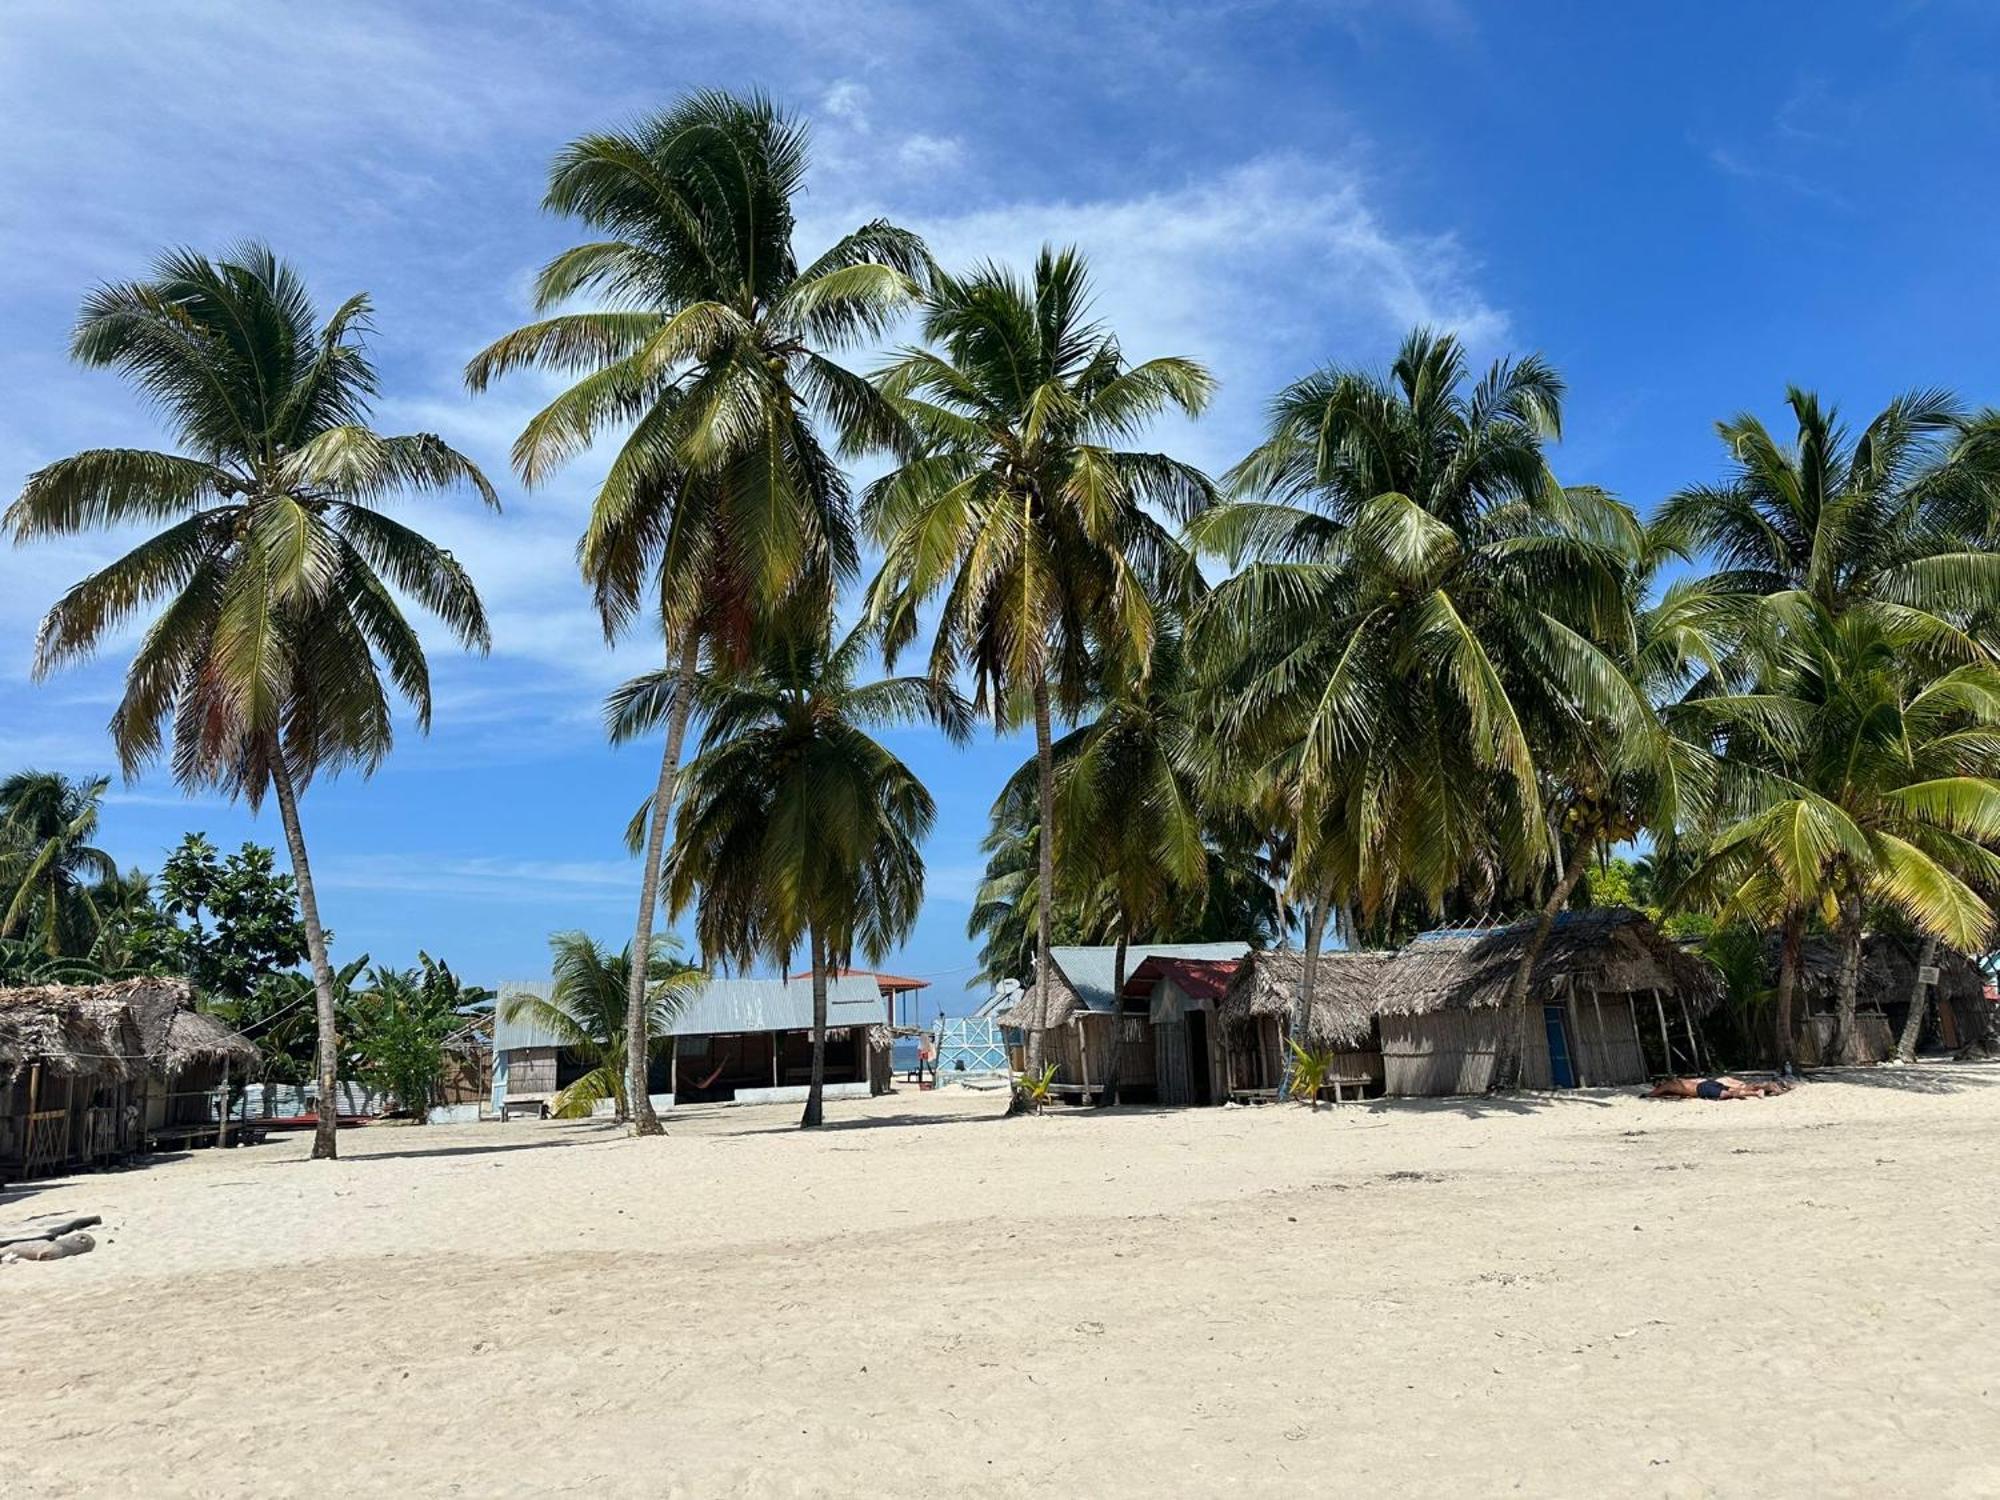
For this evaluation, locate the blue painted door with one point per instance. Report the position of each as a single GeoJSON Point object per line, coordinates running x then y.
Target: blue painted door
{"type": "Point", "coordinates": [1561, 1072]}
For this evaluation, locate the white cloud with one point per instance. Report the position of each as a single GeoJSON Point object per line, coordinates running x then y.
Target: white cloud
{"type": "Point", "coordinates": [930, 153]}
{"type": "Point", "coordinates": [847, 101]}
{"type": "Point", "coordinates": [1263, 270]}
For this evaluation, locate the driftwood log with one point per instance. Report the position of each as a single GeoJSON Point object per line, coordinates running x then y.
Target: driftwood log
{"type": "Point", "coordinates": [49, 1228]}
{"type": "Point", "coordinates": [62, 1246]}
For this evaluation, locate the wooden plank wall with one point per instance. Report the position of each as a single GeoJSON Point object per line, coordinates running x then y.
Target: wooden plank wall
{"type": "Point", "coordinates": [1454, 1052]}
{"type": "Point", "coordinates": [531, 1070]}
{"type": "Point", "coordinates": [1171, 1062]}
{"type": "Point", "coordinates": [1614, 1056]}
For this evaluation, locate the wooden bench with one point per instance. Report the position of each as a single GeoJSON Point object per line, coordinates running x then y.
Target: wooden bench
{"type": "Point", "coordinates": [1253, 1096]}
{"type": "Point", "coordinates": [1081, 1092]}
{"type": "Point", "coordinates": [533, 1107]}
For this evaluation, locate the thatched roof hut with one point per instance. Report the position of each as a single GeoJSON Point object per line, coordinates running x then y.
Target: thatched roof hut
{"type": "Point", "coordinates": [119, 1030]}
{"type": "Point", "coordinates": [1042, 1007]}
{"type": "Point", "coordinates": [76, 1031]}
{"type": "Point", "coordinates": [1888, 972]}
{"type": "Point", "coordinates": [1607, 988]}
{"type": "Point", "coordinates": [1882, 996]}
{"type": "Point", "coordinates": [1615, 951]}
{"type": "Point", "coordinates": [1342, 1010]}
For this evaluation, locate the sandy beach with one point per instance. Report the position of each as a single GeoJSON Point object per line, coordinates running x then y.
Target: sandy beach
{"type": "Point", "coordinates": [1584, 1295]}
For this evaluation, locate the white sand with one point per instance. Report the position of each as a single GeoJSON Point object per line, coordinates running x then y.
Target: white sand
{"type": "Point", "coordinates": [1581, 1296]}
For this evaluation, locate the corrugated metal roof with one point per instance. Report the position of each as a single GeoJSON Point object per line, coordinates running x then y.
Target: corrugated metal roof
{"type": "Point", "coordinates": [722, 1005]}
{"type": "Point", "coordinates": [1090, 971]}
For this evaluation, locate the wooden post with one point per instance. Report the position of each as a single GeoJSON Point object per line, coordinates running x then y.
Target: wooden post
{"type": "Point", "coordinates": [777, 1043]}
{"type": "Point", "coordinates": [1603, 1051]}
{"type": "Point", "coordinates": [1579, 1061]}
{"type": "Point", "coordinates": [1083, 1053]}
{"type": "Point", "coordinates": [1694, 1037]}
{"type": "Point", "coordinates": [1665, 1041]}
{"type": "Point", "coordinates": [222, 1115]}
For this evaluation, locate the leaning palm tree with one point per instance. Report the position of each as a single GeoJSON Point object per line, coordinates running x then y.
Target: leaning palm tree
{"type": "Point", "coordinates": [48, 864]}
{"type": "Point", "coordinates": [1024, 509]}
{"type": "Point", "coordinates": [275, 571]}
{"type": "Point", "coordinates": [1420, 605]}
{"type": "Point", "coordinates": [798, 827]}
{"type": "Point", "coordinates": [711, 354]}
{"type": "Point", "coordinates": [585, 1012]}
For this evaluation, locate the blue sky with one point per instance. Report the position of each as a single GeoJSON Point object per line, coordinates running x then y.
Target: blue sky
{"type": "Point", "coordinates": [1684, 207]}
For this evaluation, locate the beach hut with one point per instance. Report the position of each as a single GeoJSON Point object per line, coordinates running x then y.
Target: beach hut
{"type": "Point", "coordinates": [1082, 1017]}
{"type": "Point", "coordinates": [1258, 1005]}
{"type": "Point", "coordinates": [1882, 997]}
{"type": "Point", "coordinates": [1181, 995]}
{"type": "Point", "coordinates": [193, 1058]}
{"type": "Point", "coordinates": [77, 1062]}
{"type": "Point", "coordinates": [1612, 1000]}
{"type": "Point", "coordinates": [747, 1040]}
{"type": "Point", "coordinates": [90, 1073]}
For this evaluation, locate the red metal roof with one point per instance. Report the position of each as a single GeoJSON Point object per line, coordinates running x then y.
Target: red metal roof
{"type": "Point", "coordinates": [1198, 978]}
{"type": "Point", "coordinates": [889, 984]}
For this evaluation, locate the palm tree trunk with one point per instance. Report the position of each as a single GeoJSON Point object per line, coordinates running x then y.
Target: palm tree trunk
{"type": "Point", "coordinates": [1524, 972]}
{"type": "Point", "coordinates": [324, 1143]}
{"type": "Point", "coordinates": [1114, 1058]}
{"type": "Point", "coordinates": [1920, 994]}
{"type": "Point", "coordinates": [1790, 949]}
{"type": "Point", "coordinates": [816, 1091]}
{"type": "Point", "coordinates": [639, 1103]}
{"type": "Point", "coordinates": [1850, 977]}
{"type": "Point", "coordinates": [1045, 862]}
{"type": "Point", "coordinates": [1299, 1022]}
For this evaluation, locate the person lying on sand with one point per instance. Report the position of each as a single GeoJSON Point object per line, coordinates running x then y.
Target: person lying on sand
{"type": "Point", "coordinates": [1723, 1087]}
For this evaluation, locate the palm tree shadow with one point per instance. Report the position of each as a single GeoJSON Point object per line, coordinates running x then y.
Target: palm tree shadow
{"type": "Point", "coordinates": [868, 1122]}
{"type": "Point", "coordinates": [579, 1134]}
{"type": "Point", "coordinates": [1919, 1078]}
{"type": "Point", "coordinates": [1483, 1106]}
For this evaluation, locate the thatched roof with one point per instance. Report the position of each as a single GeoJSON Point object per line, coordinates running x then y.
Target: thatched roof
{"type": "Point", "coordinates": [1888, 971]}
{"type": "Point", "coordinates": [83, 1031]}
{"type": "Point", "coordinates": [116, 1030]}
{"type": "Point", "coordinates": [1608, 952]}
{"type": "Point", "coordinates": [1342, 1012]}
{"type": "Point", "coordinates": [1041, 1008]}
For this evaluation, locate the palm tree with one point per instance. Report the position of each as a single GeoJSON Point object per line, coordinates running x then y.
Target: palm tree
{"type": "Point", "coordinates": [275, 571]}
{"type": "Point", "coordinates": [1897, 521]}
{"type": "Point", "coordinates": [47, 822]}
{"type": "Point", "coordinates": [711, 354]}
{"type": "Point", "coordinates": [1857, 772]}
{"type": "Point", "coordinates": [585, 1012]}
{"type": "Point", "coordinates": [1125, 785]}
{"type": "Point", "coordinates": [798, 827]}
{"type": "Point", "coordinates": [1608, 780]}
{"type": "Point", "coordinates": [23, 964]}
{"type": "Point", "coordinates": [1024, 511]}
{"type": "Point", "coordinates": [1003, 912]}
{"type": "Point", "coordinates": [1135, 861]}
{"type": "Point", "coordinates": [1422, 606]}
